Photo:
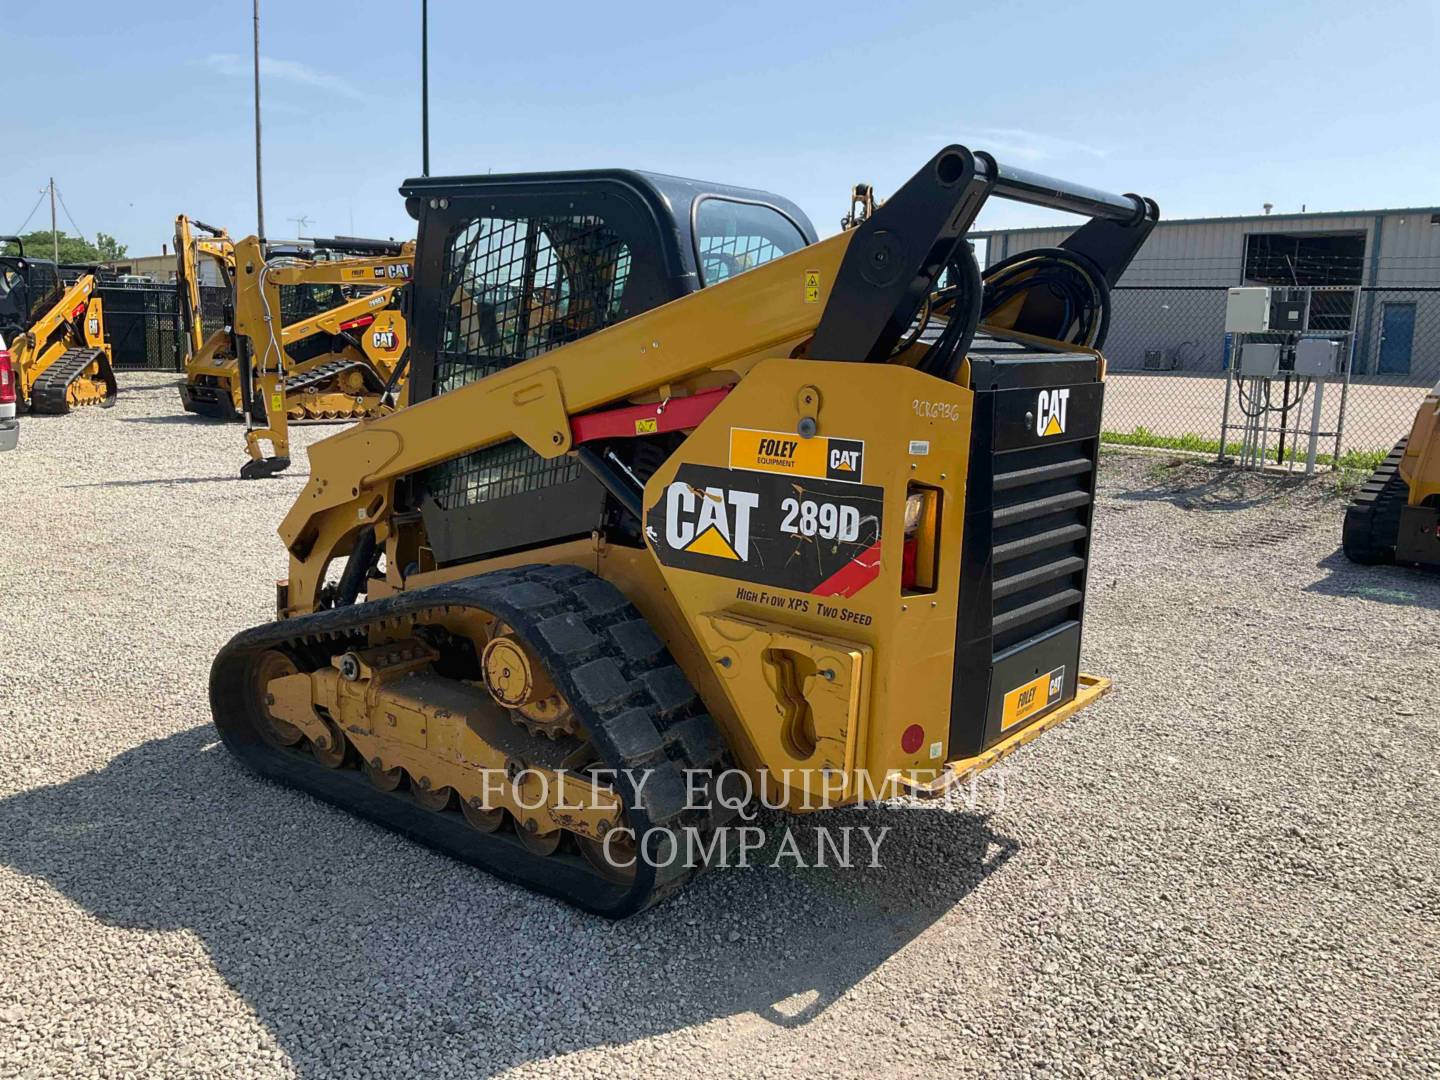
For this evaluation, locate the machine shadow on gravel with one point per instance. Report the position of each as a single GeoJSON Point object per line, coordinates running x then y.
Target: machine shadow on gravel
{"type": "Point", "coordinates": [1191, 485]}
{"type": "Point", "coordinates": [155, 481]}
{"type": "Point", "coordinates": [1386, 584]}
{"type": "Point", "coordinates": [176, 418]}
{"type": "Point", "coordinates": [325, 924]}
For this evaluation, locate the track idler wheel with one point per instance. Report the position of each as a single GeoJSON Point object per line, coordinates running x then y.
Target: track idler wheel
{"type": "Point", "coordinates": [536, 842]}
{"type": "Point", "coordinates": [272, 665]}
{"type": "Point", "coordinates": [482, 820]}
{"type": "Point", "coordinates": [618, 865]}
{"type": "Point", "coordinates": [436, 800]}
{"type": "Point", "coordinates": [332, 748]}
{"type": "Point", "coordinates": [381, 778]}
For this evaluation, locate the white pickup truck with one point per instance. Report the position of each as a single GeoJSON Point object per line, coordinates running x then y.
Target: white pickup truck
{"type": "Point", "coordinates": [9, 425]}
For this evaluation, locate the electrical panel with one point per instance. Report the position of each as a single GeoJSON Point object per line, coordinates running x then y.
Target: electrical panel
{"type": "Point", "coordinates": [1247, 310]}
{"type": "Point", "coordinates": [1287, 316]}
{"type": "Point", "coordinates": [1259, 360]}
{"type": "Point", "coordinates": [1317, 358]}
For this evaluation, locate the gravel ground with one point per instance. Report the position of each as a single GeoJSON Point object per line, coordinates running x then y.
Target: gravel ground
{"type": "Point", "coordinates": [1227, 866]}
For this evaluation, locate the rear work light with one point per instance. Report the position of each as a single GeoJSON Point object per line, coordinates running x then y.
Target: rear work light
{"type": "Point", "coordinates": [7, 379]}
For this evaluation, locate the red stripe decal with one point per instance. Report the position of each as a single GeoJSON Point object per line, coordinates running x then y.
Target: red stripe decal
{"type": "Point", "coordinates": [633, 420]}
{"type": "Point", "coordinates": [853, 576]}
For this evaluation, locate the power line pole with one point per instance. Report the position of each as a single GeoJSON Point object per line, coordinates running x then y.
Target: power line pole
{"type": "Point", "coordinates": [54, 235]}
{"type": "Point", "coordinates": [259, 187]}
{"type": "Point", "coordinates": [424, 87]}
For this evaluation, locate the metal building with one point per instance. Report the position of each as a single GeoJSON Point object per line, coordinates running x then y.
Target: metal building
{"type": "Point", "coordinates": [1373, 272]}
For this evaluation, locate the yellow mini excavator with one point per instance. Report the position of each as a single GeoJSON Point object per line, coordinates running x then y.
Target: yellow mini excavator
{"type": "Point", "coordinates": [341, 358]}
{"type": "Point", "coordinates": [1395, 518]}
{"type": "Point", "coordinates": [689, 506]}
{"type": "Point", "coordinates": [211, 386]}
{"type": "Point", "coordinates": [339, 346]}
{"type": "Point", "coordinates": [56, 335]}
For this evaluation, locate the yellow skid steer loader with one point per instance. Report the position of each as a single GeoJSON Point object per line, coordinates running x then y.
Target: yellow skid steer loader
{"type": "Point", "coordinates": [55, 333]}
{"type": "Point", "coordinates": [1395, 518]}
{"type": "Point", "coordinates": [689, 505]}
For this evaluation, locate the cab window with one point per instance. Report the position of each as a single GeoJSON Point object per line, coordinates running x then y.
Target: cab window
{"type": "Point", "coordinates": [732, 237]}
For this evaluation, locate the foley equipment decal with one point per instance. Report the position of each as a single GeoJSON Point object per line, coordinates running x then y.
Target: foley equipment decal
{"type": "Point", "coordinates": [1036, 695]}
{"type": "Point", "coordinates": [809, 535]}
{"type": "Point", "coordinates": [784, 452]}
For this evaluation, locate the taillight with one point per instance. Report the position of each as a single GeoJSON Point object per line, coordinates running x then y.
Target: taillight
{"type": "Point", "coordinates": [79, 310]}
{"type": "Point", "coordinates": [7, 379]}
{"type": "Point", "coordinates": [920, 550]}
{"type": "Point", "coordinates": [363, 320]}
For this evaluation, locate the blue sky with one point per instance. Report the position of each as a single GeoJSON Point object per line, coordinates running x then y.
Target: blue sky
{"type": "Point", "coordinates": [142, 110]}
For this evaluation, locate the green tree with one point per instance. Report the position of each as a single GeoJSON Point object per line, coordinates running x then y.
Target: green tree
{"type": "Point", "coordinates": [73, 249]}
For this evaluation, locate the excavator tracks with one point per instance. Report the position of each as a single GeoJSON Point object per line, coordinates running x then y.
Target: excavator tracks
{"type": "Point", "coordinates": [68, 383]}
{"type": "Point", "coordinates": [312, 396]}
{"type": "Point", "coordinates": [636, 707]}
{"type": "Point", "coordinates": [316, 395]}
{"type": "Point", "coordinates": [1372, 520]}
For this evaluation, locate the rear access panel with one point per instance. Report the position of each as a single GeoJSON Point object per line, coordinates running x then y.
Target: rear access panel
{"type": "Point", "coordinates": [1029, 494]}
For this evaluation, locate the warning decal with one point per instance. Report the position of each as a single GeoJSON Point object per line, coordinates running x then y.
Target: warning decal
{"type": "Point", "coordinates": [808, 535]}
{"type": "Point", "coordinates": [787, 453]}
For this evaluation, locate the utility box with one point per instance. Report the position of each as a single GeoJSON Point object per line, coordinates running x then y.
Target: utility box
{"type": "Point", "coordinates": [1259, 360]}
{"type": "Point", "coordinates": [1317, 358]}
{"type": "Point", "coordinates": [1287, 316]}
{"type": "Point", "coordinates": [1247, 310]}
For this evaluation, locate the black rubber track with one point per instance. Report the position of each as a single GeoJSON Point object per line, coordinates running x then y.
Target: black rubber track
{"type": "Point", "coordinates": [639, 708]}
{"type": "Point", "coordinates": [1372, 520]}
{"type": "Point", "coordinates": [331, 369]}
{"type": "Point", "coordinates": [47, 395]}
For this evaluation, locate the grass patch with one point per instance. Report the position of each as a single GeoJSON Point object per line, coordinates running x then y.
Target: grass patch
{"type": "Point", "coordinates": [1362, 462]}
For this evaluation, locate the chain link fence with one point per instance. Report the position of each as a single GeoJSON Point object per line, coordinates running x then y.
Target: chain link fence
{"type": "Point", "coordinates": [1170, 357]}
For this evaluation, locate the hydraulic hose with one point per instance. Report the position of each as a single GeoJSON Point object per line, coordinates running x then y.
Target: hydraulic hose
{"type": "Point", "coordinates": [1078, 286]}
{"type": "Point", "coordinates": [966, 290]}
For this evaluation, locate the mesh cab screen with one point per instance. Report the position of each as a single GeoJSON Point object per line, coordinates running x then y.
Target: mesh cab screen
{"type": "Point", "coordinates": [517, 288]}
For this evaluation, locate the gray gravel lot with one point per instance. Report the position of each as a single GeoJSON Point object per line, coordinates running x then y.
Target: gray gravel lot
{"type": "Point", "coordinates": [1228, 866]}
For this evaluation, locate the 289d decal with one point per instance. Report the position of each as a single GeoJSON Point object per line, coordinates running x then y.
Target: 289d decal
{"type": "Point", "coordinates": [808, 535]}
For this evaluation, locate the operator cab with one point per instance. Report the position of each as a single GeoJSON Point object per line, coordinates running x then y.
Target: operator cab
{"type": "Point", "coordinates": [525, 262]}
{"type": "Point", "coordinates": [27, 288]}
{"type": "Point", "coordinates": [511, 266]}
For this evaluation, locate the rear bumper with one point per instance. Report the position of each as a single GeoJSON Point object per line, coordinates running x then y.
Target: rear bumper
{"type": "Point", "coordinates": [1088, 689]}
{"type": "Point", "coordinates": [9, 434]}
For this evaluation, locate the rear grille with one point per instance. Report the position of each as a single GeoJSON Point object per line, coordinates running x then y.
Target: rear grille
{"type": "Point", "coordinates": [1040, 526]}
{"type": "Point", "coordinates": [1024, 558]}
